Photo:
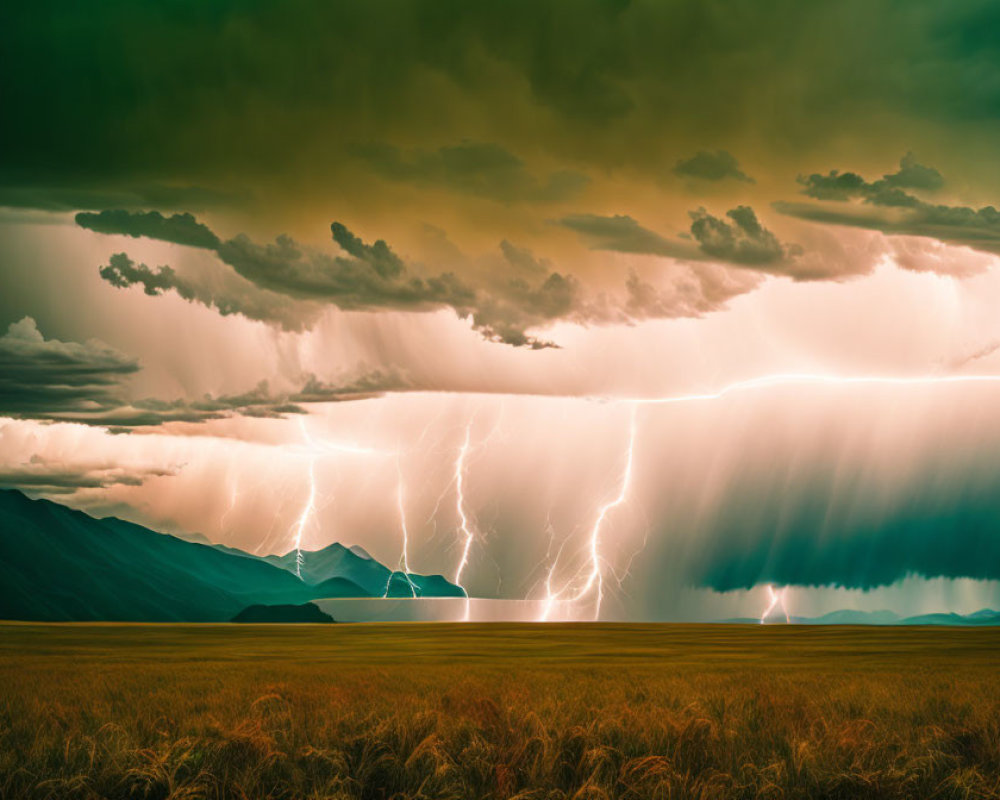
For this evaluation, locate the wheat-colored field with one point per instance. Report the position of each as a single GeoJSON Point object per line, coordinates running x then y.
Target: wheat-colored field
{"type": "Point", "coordinates": [498, 711]}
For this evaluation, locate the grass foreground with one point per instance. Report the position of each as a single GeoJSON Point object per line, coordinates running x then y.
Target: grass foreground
{"type": "Point", "coordinates": [498, 711]}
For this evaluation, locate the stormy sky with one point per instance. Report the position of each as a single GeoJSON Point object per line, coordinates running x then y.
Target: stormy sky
{"type": "Point", "coordinates": [396, 244]}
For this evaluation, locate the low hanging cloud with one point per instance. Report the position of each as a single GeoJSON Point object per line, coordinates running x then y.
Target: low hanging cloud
{"type": "Point", "coordinates": [887, 191]}
{"type": "Point", "coordinates": [885, 205]}
{"type": "Point", "coordinates": [368, 277]}
{"type": "Point", "coordinates": [179, 228]}
{"type": "Point", "coordinates": [47, 376]}
{"type": "Point", "coordinates": [227, 293]}
{"type": "Point", "coordinates": [740, 239]}
{"type": "Point", "coordinates": [694, 290]}
{"type": "Point", "coordinates": [40, 476]}
{"type": "Point", "coordinates": [476, 168]}
{"type": "Point", "coordinates": [786, 538]}
{"type": "Point", "coordinates": [712, 166]}
{"type": "Point", "coordinates": [623, 234]}
{"type": "Point", "coordinates": [503, 302]}
{"type": "Point", "coordinates": [48, 379]}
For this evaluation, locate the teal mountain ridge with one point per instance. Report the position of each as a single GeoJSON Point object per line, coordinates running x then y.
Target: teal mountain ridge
{"type": "Point", "coordinates": [60, 564]}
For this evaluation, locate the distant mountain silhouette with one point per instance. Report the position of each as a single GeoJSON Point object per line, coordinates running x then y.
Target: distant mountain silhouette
{"type": "Point", "coordinates": [57, 563]}
{"type": "Point", "coordinates": [852, 617]}
{"type": "Point", "coordinates": [307, 612]}
{"type": "Point", "coordinates": [356, 565]}
{"type": "Point", "coordinates": [984, 617]}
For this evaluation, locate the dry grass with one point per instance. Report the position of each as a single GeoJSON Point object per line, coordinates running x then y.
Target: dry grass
{"type": "Point", "coordinates": [442, 711]}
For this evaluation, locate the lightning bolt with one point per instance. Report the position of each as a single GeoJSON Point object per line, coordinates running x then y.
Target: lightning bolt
{"type": "Point", "coordinates": [313, 449]}
{"type": "Point", "coordinates": [797, 378]}
{"type": "Point", "coordinates": [466, 530]}
{"type": "Point", "coordinates": [304, 517]}
{"type": "Point", "coordinates": [594, 576]}
{"type": "Point", "coordinates": [233, 494]}
{"type": "Point", "coordinates": [776, 597]}
{"type": "Point", "coordinates": [404, 560]}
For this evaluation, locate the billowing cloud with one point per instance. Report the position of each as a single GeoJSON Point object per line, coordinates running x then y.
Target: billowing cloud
{"type": "Point", "coordinates": [884, 205]}
{"type": "Point", "coordinates": [230, 295]}
{"type": "Point", "coordinates": [961, 225]}
{"type": "Point", "coordinates": [886, 191]}
{"type": "Point", "coordinates": [712, 166]}
{"type": "Point", "coordinates": [475, 168]}
{"type": "Point", "coordinates": [502, 306]}
{"type": "Point", "coordinates": [623, 234]}
{"type": "Point", "coordinates": [72, 382]}
{"type": "Point", "coordinates": [523, 259]}
{"type": "Point", "coordinates": [46, 376]}
{"type": "Point", "coordinates": [694, 290]}
{"type": "Point", "coordinates": [40, 476]}
{"type": "Point", "coordinates": [741, 240]}
{"type": "Point", "coordinates": [178, 228]}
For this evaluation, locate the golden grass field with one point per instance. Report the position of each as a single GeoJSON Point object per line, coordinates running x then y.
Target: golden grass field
{"type": "Point", "coordinates": [498, 711]}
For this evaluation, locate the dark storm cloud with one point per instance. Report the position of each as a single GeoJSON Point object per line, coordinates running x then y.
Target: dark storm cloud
{"type": "Point", "coordinates": [886, 191]}
{"type": "Point", "coordinates": [39, 375]}
{"type": "Point", "coordinates": [385, 262]}
{"type": "Point", "coordinates": [481, 169]}
{"type": "Point", "coordinates": [978, 228]}
{"type": "Point", "coordinates": [178, 228]}
{"type": "Point", "coordinates": [232, 295]}
{"type": "Point", "coordinates": [503, 299]}
{"type": "Point", "coordinates": [741, 240]}
{"type": "Point", "coordinates": [72, 382]}
{"type": "Point", "coordinates": [523, 259]}
{"type": "Point", "coordinates": [260, 402]}
{"type": "Point", "coordinates": [120, 91]}
{"type": "Point", "coordinates": [369, 277]}
{"type": "Point", "coordinates": [798, 535]}
{"type": "Point", "coordinates": [38, 475]}
{"type": "Point", "coordinates": [885, 205]}
{"type": "Point", "coordinates": [623, 234]}
{"type": "Point", "coordinates": [73, 198]}
{"type": "Point", "coordinates": [709, 166]}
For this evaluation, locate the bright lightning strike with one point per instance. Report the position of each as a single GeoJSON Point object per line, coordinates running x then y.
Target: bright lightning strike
{"type": "Point", "coordinates": [776, 597]}
{"type": "Point", "coordinates": [465, 526]}
{"type": "Point", "coordinates": [795, 378]}
{"type": "Point", "coordinates": [594, 580]}
{"type": "Point", "coordinates": [304, 517]}
{"type": "Point", "coordinates": [314, 449]}
{"type": "Point", "coordinates": [404, 560]}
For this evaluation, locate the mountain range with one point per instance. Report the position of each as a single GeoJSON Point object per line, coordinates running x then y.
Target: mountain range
{"type": "Point", "coordinates": [986, 616]}
{"type": "Point", "coordinates": [60, 564]}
